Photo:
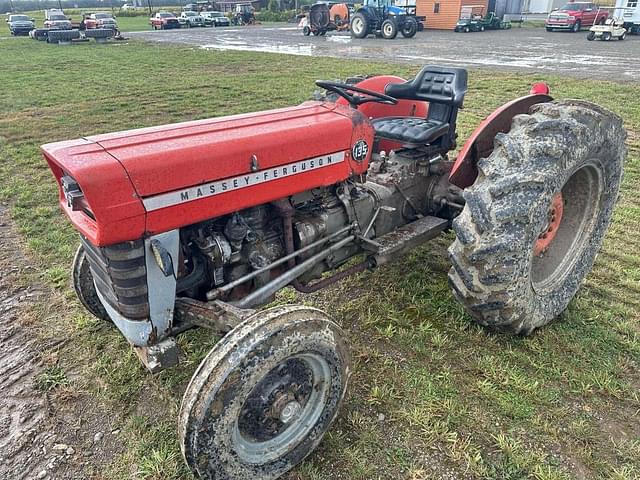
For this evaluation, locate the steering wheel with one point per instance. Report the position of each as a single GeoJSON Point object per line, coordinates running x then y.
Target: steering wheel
{"type": "Point", "coordinates": [342, 89]}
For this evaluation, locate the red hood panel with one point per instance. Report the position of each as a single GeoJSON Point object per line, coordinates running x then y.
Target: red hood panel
{"type": "Point", "coordinates": [171, 157]}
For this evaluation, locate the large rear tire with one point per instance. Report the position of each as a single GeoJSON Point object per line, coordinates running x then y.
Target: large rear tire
{"type": "Point", "coordinates": [359, 26]}
{"type": "Point", "coordinates": [536, 215]}
{"type": "Point", "coordinates": [265, 395]}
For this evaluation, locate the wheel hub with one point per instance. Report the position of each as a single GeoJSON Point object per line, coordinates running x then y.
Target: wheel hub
{"type": "Point", "coordinates": [290, 412]}
{"type": "Point", "coordinates": [554, 218]}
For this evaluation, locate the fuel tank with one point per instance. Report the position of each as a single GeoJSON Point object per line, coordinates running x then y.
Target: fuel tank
{"type": "Point", "coordinates": [122, 186]}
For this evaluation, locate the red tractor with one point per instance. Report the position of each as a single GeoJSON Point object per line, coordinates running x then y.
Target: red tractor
{"type": "Point", "coordinates": [199, 224]}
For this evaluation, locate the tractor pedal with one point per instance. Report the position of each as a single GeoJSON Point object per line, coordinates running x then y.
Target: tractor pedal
{"type": "Point", "coordinates": [396, 243]}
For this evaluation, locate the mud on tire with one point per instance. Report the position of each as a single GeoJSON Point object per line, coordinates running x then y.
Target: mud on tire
{"type": "Point", "coordinates": [574, 148]}
{"type": "Point", "coordinates": [264, 396]}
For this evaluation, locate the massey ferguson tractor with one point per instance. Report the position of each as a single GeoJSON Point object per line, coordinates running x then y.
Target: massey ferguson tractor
{"type": "Point", "coordinates": [199, 224]}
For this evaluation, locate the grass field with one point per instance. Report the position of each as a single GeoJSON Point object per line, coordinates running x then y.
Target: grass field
{"type": "Point", "coordinates": [433, 396]}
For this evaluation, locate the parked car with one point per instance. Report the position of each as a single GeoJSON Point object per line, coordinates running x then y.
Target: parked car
{"type": "Point", "coordinates": [127, 7]}
{"type": "Point", "coordinates": [215, 19]}
{"type": "Point", "coordinates": [164, 21]}
{"type": "Point", "coordinates": [20, 24]}
{"type": "Point", "coordinates": [191, 19]}
{"type": "Point", "coordinates": [574, 16]}
{"type": "Point", "coordinates": [56, 20]}
{"type": "Point", "coordinates": [100, 20]}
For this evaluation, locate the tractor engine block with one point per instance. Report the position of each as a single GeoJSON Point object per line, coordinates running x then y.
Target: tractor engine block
{"type": "Point", "coordinates": [399, 188]}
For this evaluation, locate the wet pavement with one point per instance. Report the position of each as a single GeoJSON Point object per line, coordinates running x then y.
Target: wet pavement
{"type": "Point", "coordinates": [518, 49]}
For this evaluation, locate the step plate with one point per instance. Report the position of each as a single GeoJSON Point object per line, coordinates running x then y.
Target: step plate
{"type": "Point", "coordinates": [407, 237]}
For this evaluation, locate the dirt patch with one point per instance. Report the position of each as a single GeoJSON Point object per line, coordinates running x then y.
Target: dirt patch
{"type": "Point", "coordinates": [59, 433]}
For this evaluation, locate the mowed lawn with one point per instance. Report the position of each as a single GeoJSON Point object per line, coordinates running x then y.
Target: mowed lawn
{"type": "Point", "coordinates": [432, 395]}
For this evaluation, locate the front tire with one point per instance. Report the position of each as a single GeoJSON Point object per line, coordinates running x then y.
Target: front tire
{"type": "Point", "coordinates": [85, 288]}
{"type": "Point", "coordinates": [389, 29]}
{"type": "Point", "coordinates": [536, 215]}
{"type": "Point", "coordinates": [265, 395]}
{"type": "Point", "coordinates": [606, 36]}
{"type": "Point", "coordinates": [591, 36]}
{"type": "Point", "coordinates": [576, 27]}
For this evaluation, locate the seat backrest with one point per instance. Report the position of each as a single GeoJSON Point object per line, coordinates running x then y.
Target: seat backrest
{"type": "Point", "coordinates": [443, 87]}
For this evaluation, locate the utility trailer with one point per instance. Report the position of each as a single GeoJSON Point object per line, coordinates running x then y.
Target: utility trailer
{"type": "Point", "coordinates": [630, 15]}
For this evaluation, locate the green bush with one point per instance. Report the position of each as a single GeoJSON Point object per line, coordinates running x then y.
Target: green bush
{"type": "Point", "coordinates": [269, 16]}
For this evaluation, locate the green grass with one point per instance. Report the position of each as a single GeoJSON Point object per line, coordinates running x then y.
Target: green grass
{"type": "Point", "coordinates": [457, 402]}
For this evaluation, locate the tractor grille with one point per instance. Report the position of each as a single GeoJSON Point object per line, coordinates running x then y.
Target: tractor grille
{"type": "Point", "coordinates": [120, 274]}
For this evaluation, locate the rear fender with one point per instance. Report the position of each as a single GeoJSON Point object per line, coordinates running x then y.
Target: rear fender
{"type": "Point", "coordinates": [480, 143]}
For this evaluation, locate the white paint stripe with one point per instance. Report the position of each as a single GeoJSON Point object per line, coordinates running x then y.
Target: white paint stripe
{"type": "Point", "coordinates": [241, 181]}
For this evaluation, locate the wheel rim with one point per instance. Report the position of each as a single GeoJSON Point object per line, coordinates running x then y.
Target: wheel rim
{"type": "Point", "coordinates": [282, 408]}
{"type": "Point", "coordinates": [572, 228]}
{"type": "Point", "coordinates": [388, 29]}
{"type": "Point", "coordinates": [357, 25]}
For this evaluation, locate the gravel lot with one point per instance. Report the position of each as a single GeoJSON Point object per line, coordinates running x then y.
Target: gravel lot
{"type": "Point", "coordinates": [519, 49]}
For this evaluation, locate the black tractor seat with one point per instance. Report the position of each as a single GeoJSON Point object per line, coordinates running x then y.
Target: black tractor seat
{"type": "Point", "coordinates": [411, 130]}
{"type": "Point", "coordinates": [444, 89]}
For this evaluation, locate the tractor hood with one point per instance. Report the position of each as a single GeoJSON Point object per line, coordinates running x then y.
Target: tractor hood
{"type": "Point", "coordinates": [176, 175]}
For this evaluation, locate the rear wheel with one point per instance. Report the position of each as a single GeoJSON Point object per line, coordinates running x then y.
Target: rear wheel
{"type": "Point", "coordinates": [536, 215]}
{"type": "Point", "coordinates": [359, 26]}
{"type": "Point", "coordinates": [264, 396]}
{"type": "Point", "coordinates": [622, 36]}
{"type": "Point", "coordinates": [606, 36]}
{"type": "Point", "coordinates": [306, 31]}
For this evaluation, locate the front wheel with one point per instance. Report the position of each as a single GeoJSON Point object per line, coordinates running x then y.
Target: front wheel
{"type": "Point", "coordinates": [536, 215]}
{"type": "Point", "coordinates": [622, 36]}
{"type": "Point", "coordinates": [606, 36]}
{"type": "Point", "coordinates": [389, 29]}
{"type": "Point", "coordinates": [84, 287]}
{"type": "Point", "coordinates": [576, 27]}
{"type": "Point", "coordinates": [265, 395]}
{"type": "Point", "coordinates": [591, 36]}
{"type": "Point", "coordinates": [306, 31]}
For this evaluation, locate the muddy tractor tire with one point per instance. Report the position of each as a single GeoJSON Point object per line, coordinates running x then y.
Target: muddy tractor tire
{"type": "Point", "coordinates": [264, 396]}
{"type": "Point", "coordinates": [536, 215]}
{"type": "Point", "coordinates": [85, 288]}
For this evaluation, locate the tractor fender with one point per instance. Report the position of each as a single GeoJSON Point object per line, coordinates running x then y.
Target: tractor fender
{"type": "Point", "coordinates": [372, 110]}
{"type": "Point", "coordinates": [480, 143]}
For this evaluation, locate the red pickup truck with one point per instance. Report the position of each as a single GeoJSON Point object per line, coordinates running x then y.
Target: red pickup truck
{"type": "Point", "coordinates": [573, 16]}
{"type": "Point", "coordinates": [164, 20]}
